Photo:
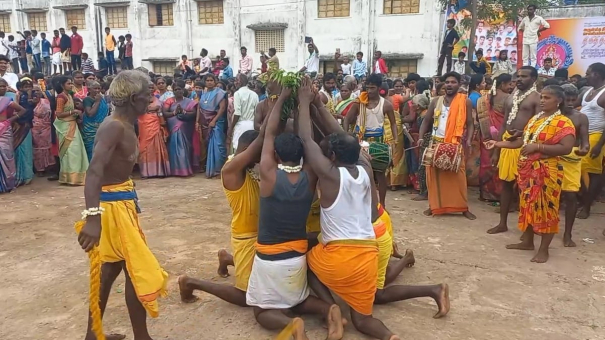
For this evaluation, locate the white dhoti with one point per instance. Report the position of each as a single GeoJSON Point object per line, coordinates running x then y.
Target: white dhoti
{"type": "Point", "coordinates": [56, 58]}
{"type": "Point", "coordinates": [278, 284]}
{"type": "Point", "coordinates": [240, 127]}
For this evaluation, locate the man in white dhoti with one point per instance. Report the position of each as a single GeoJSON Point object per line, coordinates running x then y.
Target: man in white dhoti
{"type": "Point", "coordinates": [244, 103]}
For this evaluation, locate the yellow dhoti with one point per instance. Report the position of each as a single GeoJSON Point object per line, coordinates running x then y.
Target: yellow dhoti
{"type": "Point", "coordinates": [243, 257]}
{"type": "Point", "coordinates": [385, 247]}
{"type": "Point", "coordinates": [572, 172]}
{"type": "Point", "coordinates": [507, 164]}
{"type": "Point", "coordinates": [123, 240]}
{"type": "Point", "coordinates": [313, 225]}
{"type": "Point", "coordinates": [592, 165]}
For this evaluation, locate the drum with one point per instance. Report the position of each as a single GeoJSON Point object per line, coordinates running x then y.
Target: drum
{"type": "Point", "coordinates": [447, 156]}
{"type": "Point", "coordinates": [427, 155]}
{"type": "Point", "coordinates": [381, 156]}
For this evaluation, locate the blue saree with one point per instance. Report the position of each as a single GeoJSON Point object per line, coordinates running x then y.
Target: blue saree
{"type": "Point", "coordinates": [214, 137]}
{"type": "Point", "coordinates": [90, 124]}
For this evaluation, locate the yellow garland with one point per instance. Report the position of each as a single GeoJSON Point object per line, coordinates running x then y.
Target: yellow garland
{"type": "Point", "coordinates": [94, 294]}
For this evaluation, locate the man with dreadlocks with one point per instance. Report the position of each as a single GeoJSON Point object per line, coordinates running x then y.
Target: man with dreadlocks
{"type": "Point", "coordinates": [368, 114]}
{"type": "Point", "coordinates": [109, 231]}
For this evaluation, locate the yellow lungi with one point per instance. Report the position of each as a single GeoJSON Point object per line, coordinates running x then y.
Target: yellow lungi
{"type": "Point", "coordinates": [572, 171]}
{"type": "Point", "coordinates": [507, 164]}
{"type": "Point", "coordinates": [123, 240]}
{"type": "Point", "coordinates": [243, 257]}
{"type": "Point", "coordinates": [313, 225]}
{"type": "Point", "coordinates": [592, 165]}
{"type": "Point", "coordinates": [385, 247]}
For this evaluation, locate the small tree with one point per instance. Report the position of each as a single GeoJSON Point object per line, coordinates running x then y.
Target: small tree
{"type": "Point", "coordinates": [490, 10]}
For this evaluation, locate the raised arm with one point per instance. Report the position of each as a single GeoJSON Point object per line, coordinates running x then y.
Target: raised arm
{"type": "Point", "coordinates": [91, 110]}
{"type": "Point", "coordinates": [267, 158]}
{"type": "Point", "coordinates": [325, 118]}
{"type": "Point", "coordinates": [107, 140]}
{"type": "Point", "coordinates": [258, 115]}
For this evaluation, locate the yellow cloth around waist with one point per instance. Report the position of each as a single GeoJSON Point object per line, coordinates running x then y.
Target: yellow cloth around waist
{"type": "Point", "coordinates": [572, 171]}
{"type": "Point", "coordinates": [507, 164]}
{"type": "Point", "coordinates": [349, 268]}
{"type": "Point", "coordinates": [592, 165]}
{"type": "Point", "coordinates": [385, 247]}
{"type": "Point", "coordinates": [245, 206]}
{"type": "Point", "coordinates": [123, 240]}
{"type": "Point", "coordinates": [313, 225]}
{"type": "Point", "coordinates": [384, 216]}
{"type": "Point", "coordinates": [243, 257]}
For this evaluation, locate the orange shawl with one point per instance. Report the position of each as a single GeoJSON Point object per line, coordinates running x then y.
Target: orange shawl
{"type": "Point", "coordinates": [456, 120]}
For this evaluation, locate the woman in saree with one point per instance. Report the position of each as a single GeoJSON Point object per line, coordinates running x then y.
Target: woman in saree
{"type": "Point", "coordinates": [490, 112]}
{"type": "Point", "coordinates": [80, 90]}
{"type": "Point", "coordinates": [420, 105]}
{"type": "Point", "coordinates": [546, 137]}
{"type": "Point", "coordinates": [473, 156]}
{"type": "Point", "coordinates": [212, 119]}
{"type": "Point", "coordinates": [10, 111]}
{"type": "Point", "coordinates": [345, 104]}
{"type": "Point", "coordinates": [41, 132]}
{"type": "Point", "coordinates": [72, 153]}
{"type": "Point", "coordinates": [95, 111]}
{"type": "Point", "coordinates": [22, 136]}
{"type": "Point", "coordinates": [162, 92]}
{"type": "Point", "coordinates": [153, 155]}
{"type": "Point", "coordinates": [180, 112]}
{"type": "Point", "coordinates": [397, 175]}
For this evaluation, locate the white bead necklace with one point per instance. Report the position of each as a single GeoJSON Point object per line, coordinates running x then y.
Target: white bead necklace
{"type": "Point", "coordinates": [517, 100]}
{"type": "Point", "coordinates": [529, 137]}
{"type": "Point", "coordinates": [289, 169]}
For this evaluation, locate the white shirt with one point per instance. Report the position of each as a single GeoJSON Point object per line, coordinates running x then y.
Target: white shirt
{"type": "Point", "coordinates": [594, 112]}
{"type": "Point", "coordinates": [378, 70]}
{"type": "Point", "coordinates": [504, 66]}
{"type": "Point", "coordinates": [244, 103]}
{"type": "Point", "coordinates": [4, 46]}
{"type": "Point", "coordinates": [459, 67]}
{"type": "Point", "coordinates": [205, 62]}
{"type": "Point", "coordinates": [530, 28]}
{"type": "Point", "coordinates": [35, 44]}
{"type": "Point", "coordinates": [12, 51]}
{"type": "Point", "coordinates": [350, 216]}
{"type": "Point", "coordinates": [346, 69]}
{"type": "Point", "coordinates": [551, 71]}
{"type": "Point", "coordinates": [11, 79]}
{"type": "Point", "coordinates": [445, 112]}
{"type": "Point", "coordinates": [312, 64]}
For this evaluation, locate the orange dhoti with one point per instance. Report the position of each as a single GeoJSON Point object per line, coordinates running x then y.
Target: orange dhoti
{"type": "Point", "coordinates": [447, 190]}
{"type": "Point", "coordinates": [349, 268]}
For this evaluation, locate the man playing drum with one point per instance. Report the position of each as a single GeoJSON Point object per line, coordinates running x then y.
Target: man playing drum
{"type": "Point", "coordinates": [369, 112]}
{"type": "Point", "coordinates": [447, 117]}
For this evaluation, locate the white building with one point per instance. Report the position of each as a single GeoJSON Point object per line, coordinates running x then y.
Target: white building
{"type": "Point", "coordinates": [406, 31]}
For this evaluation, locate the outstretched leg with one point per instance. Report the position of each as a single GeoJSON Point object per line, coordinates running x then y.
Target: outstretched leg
{"type": "Point", "coordinates": [440, 293]}
{"type": "Point", "coordinates": [227, 293]}
{"type": "Point", "coordinates": [136, 311]}
{"type": "Point", "coordinates": [368, 325]}
{"type": "Point", "coordinates": [571, 208]}
{"type": "Point", "coordinates": [224, 259]}
{"type": "Point", "coordinates": [506, 198]}
{"type": "Point", "coordinates": [109, 273]}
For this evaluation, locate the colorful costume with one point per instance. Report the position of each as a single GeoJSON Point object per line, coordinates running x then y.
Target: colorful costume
{"type": "Point", "coordinates": [72, 154]}
{"type": "Point", "coordinates": [180, 144]}
{"type": "Point", "coordinates": [384, 237]}
{"type": "Point", "coordinates": [7, 155]}
{"type": "Point", "coordinates": [41, 135]}
{"type": "Point", "coordinates": [23, 143]}
{"type": "Point", "coordinates": [215, 137]}
{"type": "Point", "coordinates": [370, 127]}
{"type": "Point", "coordinates": [540, 179]}
{"type": "Point", "coordinates": [153, 154]}
{"type": "Point", "coordinates": [447, 189]}
{"type": "Point", "coordinates": [90, 124]}
{"type": "Point", "coordinates": [397, 175]}
{"type": "Point", "coordinates": [490, 122]}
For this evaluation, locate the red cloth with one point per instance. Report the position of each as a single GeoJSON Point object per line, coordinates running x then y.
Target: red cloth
{"type": "Point", "coordinates": [77, 44]}
{"type": "Point", "coordinates": [383, 66]}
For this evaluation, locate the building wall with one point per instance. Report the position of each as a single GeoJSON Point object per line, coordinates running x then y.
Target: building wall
{"type": "Point", "coordinates": [366, 29]}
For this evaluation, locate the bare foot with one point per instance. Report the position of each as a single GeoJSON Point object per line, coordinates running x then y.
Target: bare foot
{"type": "Point", "coordinates": [469, 215]}
{"type": "Point", "coordinates": [428, 212]}
{"type": "Point", "coordinates": [223, 271]}
{"type": "Point", "coordinates": [409, 258]}
{"type": "Point", "coordinates": [299, 333]}
{"type": "Point", "coordinates": [335, 324]}
{"type": "Point", "coordinates": [541, 257]}
{"type": "Point", "coordinates": [443, 302]}
{"type": "Point", "coordinates": [583, 214]}
{"type": "Point", "coordinates": [498, 229]}
{"type": "Point", "coordinates": [567, 242]}
{"type": "Point", "coordinates": [396, 253]}
{"type": "Point", "coordinates": [521, 246]}
{"type": "Point", "coordinates": [186, 294]}
{"type": "Point", "coordinates": [420, 198]}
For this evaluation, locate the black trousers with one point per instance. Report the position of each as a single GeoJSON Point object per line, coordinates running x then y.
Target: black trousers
{"type": "Point", "coordinates": [446, 53]}
{"type": "Point", "coordinates": [76, 62]}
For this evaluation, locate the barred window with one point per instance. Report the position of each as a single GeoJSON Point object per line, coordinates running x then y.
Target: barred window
{"type": "Point", "coordinates": [76, 17]}
{"type": "Point", "coordinates": [401, 6]}
{"type": "Point", "coordinates": [333, 8]}
{"type": "Point", "coordinates": [5, 22]}
{"type": "Point", "coordinates": [165, 68]}
{"type": "Point", "coordinates": [37, 21]}
{"type": "Point", "coordinates": [160, 15]}
{"type": "Point", "coordinates": [399, 68]}
{"type": "Point", "coordinates": [117, 17]}
{"type": "Point", "coordinates": [264, 40]}
{"type": "Point", "coordinates": [210, 12]}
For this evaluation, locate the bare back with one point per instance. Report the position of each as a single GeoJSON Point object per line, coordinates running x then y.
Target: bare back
{"type": "Point", "coordinates": [125, 155]}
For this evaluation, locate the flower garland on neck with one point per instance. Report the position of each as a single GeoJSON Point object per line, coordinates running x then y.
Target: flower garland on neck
{"type": "Point", "coordinates": [517, 100]}
{"type": "Point", "coordinates": [250, 171]}
{"type": "Point", "coordinates": [528, 136]}
{"type": "Point", "coordinates": [289, 169]}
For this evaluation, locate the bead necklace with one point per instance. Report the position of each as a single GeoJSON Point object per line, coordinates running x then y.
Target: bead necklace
{"type": "Point", "coordinates": [289, 169]}
{"type": "Point", "coordinates": [529, 137]}
{"type": "Point", "coordinates": [517, 100]}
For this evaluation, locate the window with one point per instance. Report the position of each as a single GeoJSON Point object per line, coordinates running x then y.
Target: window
{"type": "Point", "coordinates": [160, 15]}
{"type": "Point", "coordinates": [328, 66]}
{"type": "Point", "coordinates": [76, 17]}
{"type": "Point", "coordinates": [210, 12]}
{"type": "Point", "coordinates": [333, 8]}
{"type": "Point", "coordinates": [264, 40]}
{"type": "Point", "coordinates": [117, 17]}
{"type": "Point", "coordinates": [401, 6]}
{"type": "Point", "coordinates": [165, 68]}
{"type": "Point", "coordinates": [5, 22]}
{"type": "Point", "coordinates": [399, 68]}
{"type": "Point", "coordinates": [37, 21]}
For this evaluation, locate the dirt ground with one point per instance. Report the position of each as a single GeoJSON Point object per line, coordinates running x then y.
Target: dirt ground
{"type": "Point", "coordinates": [495, 293]}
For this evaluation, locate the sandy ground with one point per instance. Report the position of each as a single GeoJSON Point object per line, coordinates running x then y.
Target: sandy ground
{"type": "Point", "coordinates": [496, 293]}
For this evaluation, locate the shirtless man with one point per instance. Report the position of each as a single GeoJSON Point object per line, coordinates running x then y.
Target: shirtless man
{"type": "Point", "coordinates": [346, 188]}
{"type": "Point", "coordinates": [116, 231]}
{"type": "Point", "coordinates": [572, 167]}
{"type": "Point", "coordinates": [518, 110]}
{"type": "Point", "coordinates": [263, 109]}
{"type": "Point", "coordinates": [329, 100]}
{"type": "Point", "coordinates": [593, 106]}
